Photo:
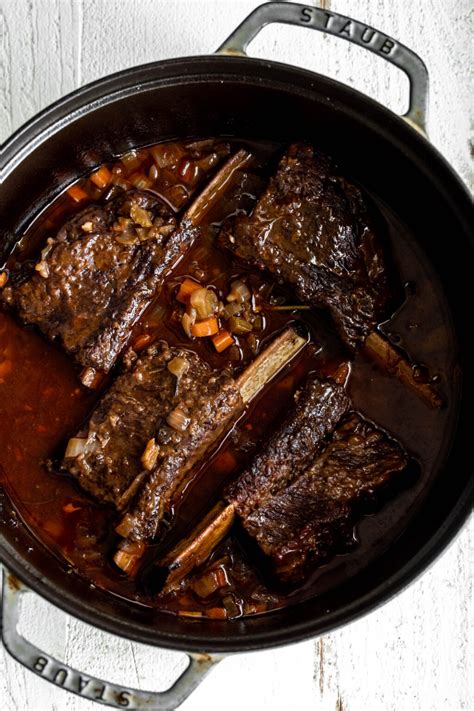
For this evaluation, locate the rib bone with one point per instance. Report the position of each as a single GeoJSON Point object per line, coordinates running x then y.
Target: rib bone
{"type": "Point", "coordinates": [394, 363]}
{"type": "Point", "coordinates": [268, 363]}
{"type": "Point", "coordinates": [250, 383]}
{"type": "Point", "coordinates": [331, 404]}
{"type": "Point", "coordinates": [217, 187]}
{"type": "Point", "coordinates": [197, 547]}
{"type": "Point", "coordinates": [312, 229]}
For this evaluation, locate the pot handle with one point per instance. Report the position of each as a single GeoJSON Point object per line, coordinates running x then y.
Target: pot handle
{"type": "Point", "coordinates": [346, 28]}
{"type": "Point", "coordinates": [84, 685]}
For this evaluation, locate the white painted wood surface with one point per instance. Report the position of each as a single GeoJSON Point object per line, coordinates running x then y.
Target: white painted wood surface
{"type": "Point", "coordinates": [414, 653]}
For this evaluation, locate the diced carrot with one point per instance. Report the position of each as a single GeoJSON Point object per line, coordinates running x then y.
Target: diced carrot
{"type": "Point", "coordinates": [3, 279]}
{"type": "Point", "coordinates": [41, 429]}
{"type": "Point", "coordinates": [142, 341]}
{"type": "Point", "coordinates": [221, 577]}
{"type": "Point", "coordinates": [186, 288]}
{"type": "Point", "coordinates": [217, 613]}
{"type": "Point", "coordinates": [77, 193]}
{"type": "Point", "coordinates": [101, 177]}
{"type": "Point", "coordinates": [70, 508]}
{"type": "Point", "coordinates": [222, 340]}
{"type": "Point", "coordinates": [207, 327]}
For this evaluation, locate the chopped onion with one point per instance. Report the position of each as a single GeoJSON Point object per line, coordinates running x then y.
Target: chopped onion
{"type": "Point", "coordinates": [144, 233]}
{"type": "Point", "coordinates": [122, 224]}
{"type": "Point", "coordinates": [127, 238]}
{"type": "Point", "coordinates": [129, 492]}
{"type": "Point", "coordinates": [178, 366]}
{"type": "Point", "coordinates": [153, 172]}
{"type": "Point", "coordinates": [198, 301]}
{"type": "Point", "coordinates": [141, 216]}
{"type": "Point", "coordinates": [47, 249]}
{"type": "Point", "coordinates": [167, 154]}
{"type": "Point", "coordinates": [131, 160]}
{"type": "Point", "coordinates": [75, 447]}
{"type": "Point", "coordinates": [204, 301]}
{"type": "Point", "coordinates": [87, 226]}
{"type": "Point", "coordinates": [178, 420]}
{"type": "Point", "coordinates": [150, 455]}
{"type": "Point", "coordinates": [239, 325]}
{"type": "Point", "coordinates": [140, 181]}
{"type": "Point", "coordinates": [92, 445]}
{"type": "Point", "coordinates": [187, 321]}
{"type": "Point", "coordinates": [165, 229]}
{"type": "Point", "coordinates": [231, 309]}
{"type": "Point", "coordinates": [156, 232]}
{"type": "Point", "coordinates": [239, 292]}
{"type": "Point", "coordinates": [43, 269]}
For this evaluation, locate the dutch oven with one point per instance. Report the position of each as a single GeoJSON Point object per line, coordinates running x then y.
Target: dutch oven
{"type": "Point", "coordinates": [230, 94]}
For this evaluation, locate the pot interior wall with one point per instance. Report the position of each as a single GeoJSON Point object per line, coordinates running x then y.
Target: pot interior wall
{"type": "Point", "coordinates": [251, 99]}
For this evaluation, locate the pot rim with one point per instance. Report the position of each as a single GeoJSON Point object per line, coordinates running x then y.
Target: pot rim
{"type": "Point", "coordinates": [42, 127]}
{"type": "Point", "coordinates": [189, 642]}
{"type": "Point", "coordinates": [111, 88]}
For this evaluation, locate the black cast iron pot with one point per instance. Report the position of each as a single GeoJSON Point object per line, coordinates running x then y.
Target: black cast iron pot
{"type": "Point", "coordinates": [229, 94]}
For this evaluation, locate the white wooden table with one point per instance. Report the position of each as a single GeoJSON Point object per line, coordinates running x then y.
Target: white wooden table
{"type": "Point", "coordinates": [413, 654]}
